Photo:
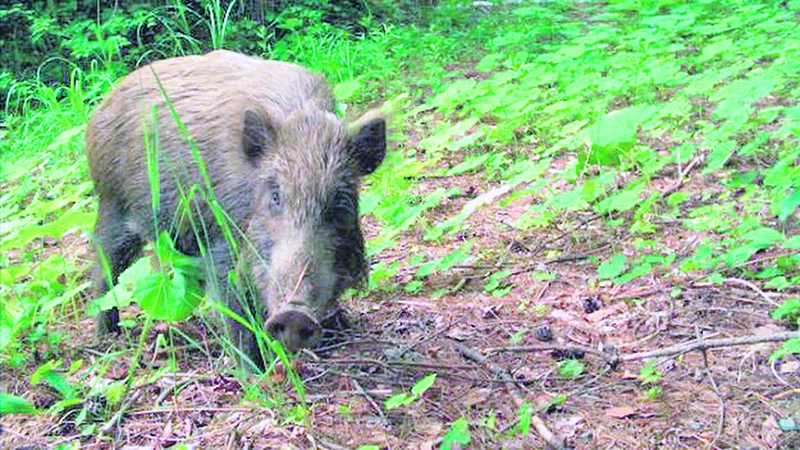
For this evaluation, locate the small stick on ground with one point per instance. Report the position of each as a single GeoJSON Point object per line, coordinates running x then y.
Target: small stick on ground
{"type": "Point", "coordinates": [408, 347]}
{"type": "Point", "coordinates": [705, 344]}
{"type": "Point", "coordinates": [121, 412]}
{"type": "Point", "coordinates": [552, 440]}
{"type": "Point", "coordinates": [752, 286]}
{"type": "Point", "coordinates": [558, 260]}
{"type": "Point", "coordinates": [682, 172]}
{"type": "Point", "coordinates": [701, 344]}
{"type": "Point", "coordinates": [722, 410]}
{"type": "Point", "coordinates": [546, 348]}
{"type": "Point", "coordinates": [785, 394]}
{"type": "Point", "coordinates": [370, 400]}
{"type": "Point", "coordinates": [325, 444]}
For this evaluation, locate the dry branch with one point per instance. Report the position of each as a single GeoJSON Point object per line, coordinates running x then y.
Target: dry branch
{"type": "Point", "coordinates": [552, 440]}
{"type": "Point", "coordinates": [701, 344]}
{"type": "Point", "coordinates": [705, 344]}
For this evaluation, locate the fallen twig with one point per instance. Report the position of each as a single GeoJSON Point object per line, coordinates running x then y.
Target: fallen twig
{"type": "Point", "coordinates": [199, 409]}
{"type": "Point", "coordinates": [390, 364]}
{"type": "Point", "coordinates": [702, 344]}
{"type": "Point", "coordinates": [784, 394]}
{"type": "Point", "coordinates": [551, 439]}
{"type": "Point", "coordinates": [705, 344]}
{"type": "Point", "coordinates": [752, 286]}
{"type": "Point", "coordinates": [546, 348]}
{"type": "Point", "coordinates": [408, 347]}
{"type": "Point", "coordinates": [722, 410]}
{"type": "Point", "coordinates": [370, 400]}
{"type": "Point", "coordinates": [120, 412]}
{"type": "Point", "coordinates": [325, 444]}
{"type": "Point", "coordinates": [682, 173]}
{"type": "Point", "coordinates": [564, 234]}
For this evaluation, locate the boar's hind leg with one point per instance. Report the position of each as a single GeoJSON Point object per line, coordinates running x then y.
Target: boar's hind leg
{"type": "Point", "coordinates": [121, 246]}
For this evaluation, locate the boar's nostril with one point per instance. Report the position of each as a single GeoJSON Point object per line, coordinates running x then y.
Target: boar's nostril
{"type": "Point", "coordinates": [306, 334]}
{"type": "Point", "coordinates": [277, 329]}
{"type": "Point", "coordinates": [296, 329]}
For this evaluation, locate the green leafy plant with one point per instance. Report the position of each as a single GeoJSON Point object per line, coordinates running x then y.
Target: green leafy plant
{"type": "Point", "coordinates": [457, 434]}
{"type": "Point", "coordinates": [650, 377]}
{"type": "Point", "coordinates": [571, 368]}
{"type": "Point", "coordinates": [417, 390]}
{"type": "Point", "coordinates": [13, 404]}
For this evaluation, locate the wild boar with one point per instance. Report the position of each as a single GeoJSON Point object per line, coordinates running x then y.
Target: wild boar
{"type": "Point", "coordinates": [284, 168]}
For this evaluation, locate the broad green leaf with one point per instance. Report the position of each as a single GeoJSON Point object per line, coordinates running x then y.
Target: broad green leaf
{"type": "Point", "coordinates": [397, 401]}
{"type": "Point", "coordinates": [637, 271]}
{"type": "Point", "coordinates": [122, 294]}
{"type": "Point", "coordinates": [568, 52]}
{"type": "Point", "coordinates": [763, 237]}
{"type": "Point", "coordinates": [787, 309]}
{"type": "Point", "coordinates": [12, 404]}
{"type": "Point", "coordinates": [70, 220]}
{"type": "Point", "coordinates": [612, 268]}
{"type": "Point", "coordinates": [469, 164]}
{"type": "Point", "coordinates": [47, 373]}
{"type": "Point", "coordinates": [423, 384]}
{"type": "Point", "coordinates": [625, 200]}
{"type": "Point", "coordinates": [168, 296]}
{"type": "Point", "coordinates": [789, 205]}
{"type": "Point", "coordinates": [792, 243]}
{"type": "Point", "coordinates": [458, 433]}
{"type": "Point", "coordinates": [571, 368]}
{"type": "Point", "coordinates": [525, 415]}
{"type": "Point", "coordinates": [65, 137]}
{"type": "Point", "coordinates": [113, 392]}
{"type": "Point", "coordinates": [455, 257]}
{"type": "Point", "coordinates": [489, 62]}
{"type": "Point", "coordinates": [715, 48]}
{"type": "Point", "coordinates": [618, 127]}
{"type": "Point", "coordinates": [345, 90]}
{"type": "Point", "coordinates": [457, 92]}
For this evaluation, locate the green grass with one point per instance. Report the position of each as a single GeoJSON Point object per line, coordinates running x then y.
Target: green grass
{"type": "Point", "coordinates": [590, 110]}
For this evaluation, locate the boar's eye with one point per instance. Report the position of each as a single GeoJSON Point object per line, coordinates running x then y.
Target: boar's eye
{"type": "Point", "coordinates": [274, 197]}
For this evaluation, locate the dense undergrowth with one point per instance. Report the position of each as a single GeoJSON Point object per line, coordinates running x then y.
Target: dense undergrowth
{"type": "Point", "coordinates": [597, 112]}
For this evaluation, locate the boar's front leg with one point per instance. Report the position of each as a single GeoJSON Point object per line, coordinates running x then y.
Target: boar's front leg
{"type": "Point", "coordinates": [117, 240]}
{"type": "Point", "coordinates": [233, 290]}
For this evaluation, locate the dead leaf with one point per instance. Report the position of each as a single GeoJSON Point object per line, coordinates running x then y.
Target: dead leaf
{"type": "Point", "coordinates": [429, 428]}
{"type": "Point", "coordinates": [560, 314]}
{"type": "Point", "coordinates": [475, 397]}
{"type": "Point", "coordinates": [620, 412]}
{"type": "Point", "coordinates": [600, 314]}
{"type": "Point", "coordinates": [790, 367]}
{"type": "Point", "coordinates": [770, 431]}
{"type": "Point", "coordinates": [567, 426]}
{"type": "Point", "coordinates": [277, 376]}
{"type": "Point", "coordinates": [428, 445]}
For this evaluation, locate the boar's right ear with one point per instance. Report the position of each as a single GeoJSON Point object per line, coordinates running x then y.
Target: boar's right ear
{"type": "Point", "coordinates": [368, 143]}
{"type": "Point", "coordinates": [258, 136]}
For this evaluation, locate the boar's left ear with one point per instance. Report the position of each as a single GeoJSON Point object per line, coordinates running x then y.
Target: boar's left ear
{"type": "Point", "coordinates": [258, 136]}
{"type": "Point", "coordinates": [368, 145]}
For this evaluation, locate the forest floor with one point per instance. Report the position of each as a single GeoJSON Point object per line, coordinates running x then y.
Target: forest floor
{"type": "Point", "coordinates": [721, 398]}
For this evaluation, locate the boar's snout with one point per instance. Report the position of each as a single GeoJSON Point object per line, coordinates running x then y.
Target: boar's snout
{"type": "Point", "coordinates": [295, 329]}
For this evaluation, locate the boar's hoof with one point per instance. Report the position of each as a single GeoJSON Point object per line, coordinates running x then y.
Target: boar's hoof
{"type": "Point", "coordinates": [295, 329]}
